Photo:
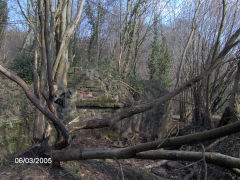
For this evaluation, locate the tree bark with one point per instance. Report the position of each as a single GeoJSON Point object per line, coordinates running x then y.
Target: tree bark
{"type": "Point", "coordinates": [210, 157]}
{"type": "Point", "coordinates": [61, 76]}
{"type": "Point", "coordinates": [135, 151]}
{"type": "Point", "coordinates": [56, 122]}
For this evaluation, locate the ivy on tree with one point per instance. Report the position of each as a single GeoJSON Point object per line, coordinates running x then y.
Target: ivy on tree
{"type": "Point", "coordinates": [160, 59]}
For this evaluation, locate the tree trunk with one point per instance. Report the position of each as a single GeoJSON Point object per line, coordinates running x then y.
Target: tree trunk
{"type": "Point", "coordinates": [163, 122]}
{"type": "Point", "coordinates": [208, 122]}
{"type": "Point", "coordinates": [61, 77]}
{"type": "Point", "coordinates": [38, 127]}
{"type": "Point", "coordinates": [231, 113]}
{"type": "Point", "coordinates": [198, 107]}
{"type": "Point", "coordinates": [184, 107]}
{"type": "Point", "coordinates": [61, 74]}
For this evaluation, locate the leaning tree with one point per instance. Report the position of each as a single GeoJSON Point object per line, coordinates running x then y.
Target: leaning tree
{"type": "Point", "coordinates": [53, 25]}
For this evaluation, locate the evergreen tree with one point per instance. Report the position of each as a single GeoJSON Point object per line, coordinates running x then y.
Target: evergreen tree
{"type": "Point", "coordinates": [153, 61]}
{"type": "Point", "coordinates": [160, 59]}
{"type": "Point", "coordinates": [164, 62]}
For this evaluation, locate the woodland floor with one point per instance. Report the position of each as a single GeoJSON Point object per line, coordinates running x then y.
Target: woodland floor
{"type": "Point", "coordinates": [131, 169]}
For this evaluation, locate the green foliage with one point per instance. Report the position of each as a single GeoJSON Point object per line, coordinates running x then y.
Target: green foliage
{"type": "Point", "coordinates": [165, 62]}
{"type": "Point", "coordinates": [22, 64]}
{"type": "Point", "coordinates": [160, 60]}
{"type": "Point", "coordinates": [134, 81]}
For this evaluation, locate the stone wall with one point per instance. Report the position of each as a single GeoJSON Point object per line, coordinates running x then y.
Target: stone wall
{"type": "Point", "coordinates": [89, 97]}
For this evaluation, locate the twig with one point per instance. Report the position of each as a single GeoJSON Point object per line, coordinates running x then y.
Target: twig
{"type": "Point", "coordinates": [204, 163]}
{"type": "Point", "coordinates": [189, 165]}
{"type": "Point", "coordinates": [178, 128]}
{"type": "Point", "coordinates": [236, 171]}
{"type": "Point", "coordinates": [170, 132]}
{"type": "Point", "coordinates": [122, 174]}
{"type": "Point", "coordinates": [157, 164]}
{"type": "Point", "coordinates": [128, 86]}
{"type": "Point", "coordinates": [215, 143]}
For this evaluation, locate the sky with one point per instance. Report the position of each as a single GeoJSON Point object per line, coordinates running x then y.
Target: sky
{"type": "Point", "coordinates": [169, 10]}
{"type": "Point", "coordinates": [16, 20]}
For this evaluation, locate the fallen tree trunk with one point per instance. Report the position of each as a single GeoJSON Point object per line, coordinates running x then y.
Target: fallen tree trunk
{"type": "Point", "coordinates": [210, 157]}
{"type": "Point", "coordinates": [131, 152]}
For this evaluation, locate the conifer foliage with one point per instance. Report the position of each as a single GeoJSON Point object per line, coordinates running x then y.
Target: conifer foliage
{"type": "Point", "coordinates": [160, 59]}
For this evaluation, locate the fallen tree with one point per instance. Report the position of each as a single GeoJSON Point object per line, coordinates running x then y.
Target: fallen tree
{"type": "Point", "coordinates": [210, 157]}
{"type": "Point", "coordinates": [99, 123]}
{"type": "Point", "coordinates": [138, 151]}
{"type": "Point", "coordinates": [132, 151]}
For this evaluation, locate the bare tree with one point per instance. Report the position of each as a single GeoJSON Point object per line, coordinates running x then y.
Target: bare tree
{"type": "Point", "coordinates": [50, 18]}
{"type": "Point", "coordinates": [51, 24]}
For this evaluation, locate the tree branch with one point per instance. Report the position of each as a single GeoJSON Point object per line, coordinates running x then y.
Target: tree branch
{"type": "Point", "coordinates": [66, 37]}
{"type": "Point", "coordinates": [56, 122]}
